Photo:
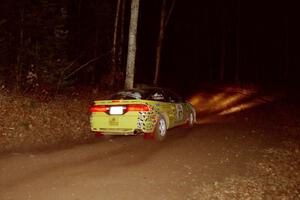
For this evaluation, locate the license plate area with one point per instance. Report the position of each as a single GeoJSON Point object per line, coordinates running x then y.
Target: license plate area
{"type": "Point", "coordinates": [113, 121]}
{"type": "Point", "coordinates": [116, 110]}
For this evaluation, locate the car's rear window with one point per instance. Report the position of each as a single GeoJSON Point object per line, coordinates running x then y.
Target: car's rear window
{"type": "Point", "coordinates": [129, 95]}
{"type": "Point", "coordinates": [145, 94]}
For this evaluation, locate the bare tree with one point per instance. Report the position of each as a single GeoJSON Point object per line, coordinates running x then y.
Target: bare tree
{"type": "Point", "coordinates": [120, 52]}
{"type": "Point", "coordinates": [237, 30]}
{"type": "Point", "coordinates": [130, 68]}
{"type": "Point", "coordinates": [164, 19]}
{"type": "Point", "coordinates": [223, 41]}
{"type": "Point", "coordinates": [286, 49]}
{"type": "Point", "coordinates": [18, 67]}
{"type": "Point", "coordinates": [116, 27]}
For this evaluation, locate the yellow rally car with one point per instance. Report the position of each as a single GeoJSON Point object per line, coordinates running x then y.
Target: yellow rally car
{"type": "Point", "coordinates": [149, 111]}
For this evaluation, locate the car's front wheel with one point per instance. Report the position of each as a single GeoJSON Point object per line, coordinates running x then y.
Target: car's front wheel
{"type": "Point", "coordinates": [160, 130]}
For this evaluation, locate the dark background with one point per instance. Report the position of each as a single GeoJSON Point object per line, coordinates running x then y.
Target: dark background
{"type": "Point", "coordinates": [266, 31]}
{"type": "Point", "coordinates": [249, 41]}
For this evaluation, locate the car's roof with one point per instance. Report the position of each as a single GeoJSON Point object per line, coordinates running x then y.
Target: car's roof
{"type": "Point", "coordinates": [144, 89]}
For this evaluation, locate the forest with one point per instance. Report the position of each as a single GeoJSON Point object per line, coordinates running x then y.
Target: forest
{"type": "Point", "coordinates": [235, 63]}
{"type": "Point", "coordinates": [58, 44]}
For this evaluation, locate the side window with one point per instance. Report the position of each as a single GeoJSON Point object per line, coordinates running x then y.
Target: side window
{"type": "Point", "coordinates": [178, 98]}
{"type": "Point", "coordinates": [172, 97]}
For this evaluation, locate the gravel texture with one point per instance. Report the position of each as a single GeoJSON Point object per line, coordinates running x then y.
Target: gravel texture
{"type": "Point", "coordinates": [27, 123]}
{"type": "Point", "coordinates": [275, 176]}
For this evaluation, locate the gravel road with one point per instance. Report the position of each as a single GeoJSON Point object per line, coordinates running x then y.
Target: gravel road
{"type": "Point", "coordinates": [247, 155]}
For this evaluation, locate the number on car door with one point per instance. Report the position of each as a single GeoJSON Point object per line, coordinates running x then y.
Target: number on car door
{"type": "Point", "coordinates": [179, 112]}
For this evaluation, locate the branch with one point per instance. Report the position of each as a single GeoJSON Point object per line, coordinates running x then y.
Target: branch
{"type": "Point", "coordinates": [86, 64]}
{"type": "Point", "coordinates": [169, 14]}
{"type": "Point", "coordinates": [71, 64]}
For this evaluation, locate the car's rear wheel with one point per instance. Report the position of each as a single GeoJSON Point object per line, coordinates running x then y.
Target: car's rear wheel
{"type": "Point", "coordinates": [160, 130]}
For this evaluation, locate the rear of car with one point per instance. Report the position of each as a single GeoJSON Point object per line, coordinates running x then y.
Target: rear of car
{"type": "Point", "coordinates": [123, 117]}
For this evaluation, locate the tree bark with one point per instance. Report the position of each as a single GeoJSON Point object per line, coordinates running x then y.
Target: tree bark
{"type": "Point", "coordinates": [164, 19]}
{"type": "Point", "coordinates": [18, 67]}
{"type": "Point", "coordinates": [222, 58]}
{"type": "Point", "coordinates": [287, 52]}
{"type": "Point", "coordinates": [223, 42]}
{"type": "Point", "coordinates": [114, 57]}
{"type": "Point", "coordinates": [130, 67]}
{"type": "Point", "coordinates": [237, 29]}
{"type": "Point", "coordinates": [160, 41]}
{"type": "Point", "coordinates": [116, 26]}
{"type": "Point", "coordinates": [120, 53]}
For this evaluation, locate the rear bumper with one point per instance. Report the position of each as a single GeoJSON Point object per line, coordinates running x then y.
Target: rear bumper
{"type": "Point", "coordinates": [117, 131]}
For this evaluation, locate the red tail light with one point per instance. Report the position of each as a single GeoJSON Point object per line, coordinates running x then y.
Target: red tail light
{"type": "Point", "coordinates": [138, 107]}
{"type": "Point", "coordinates": [99, 109]}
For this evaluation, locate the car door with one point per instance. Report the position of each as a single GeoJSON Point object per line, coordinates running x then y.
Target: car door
{"type": "Point", "coordinates": [166, 108]}
{"type": "Point", "coordinates": [177, 107]}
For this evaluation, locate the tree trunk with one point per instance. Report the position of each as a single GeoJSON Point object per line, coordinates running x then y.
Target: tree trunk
{"type": "Point", "coordinates": [222, 58]}
{"type": "Point", "coordinates": [223, 42]}
{"type": "Point", "coordinates": [116, 26]}
{"type": "Point", "coordinates": [164, 19]}
{"type": "Point", "coordinates": [287, 52]}
{"type": "Point", "coordinates": [120, 53]}
{"type": "Point", "coordinates": [130, 68]}
{"type": "Point", "coordinates": [237, 29]}
{"type": "Point", "coordinates": [79, 22]}
{"type": "Point", "coordinates": [93, 69]}
{"type": "Point", "coordinates": [114, 57]}
{"type": "Point", "coordinates": [18, 67]}
{"type": "Point", "coordinates": [160, 41]}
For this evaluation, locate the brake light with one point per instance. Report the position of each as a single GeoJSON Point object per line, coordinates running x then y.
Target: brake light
{"type": "Point", "coordinates": [138, 107]}
{"type": "Point", "coordinates": [99, 109]}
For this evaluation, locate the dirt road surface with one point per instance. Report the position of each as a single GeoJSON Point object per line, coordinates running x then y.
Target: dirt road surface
{"type": "Point", "coordinates": [246, 155]}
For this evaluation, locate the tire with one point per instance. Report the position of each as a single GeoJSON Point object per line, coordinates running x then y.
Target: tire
{"type": "Point", "coordinates": [160, 130]}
